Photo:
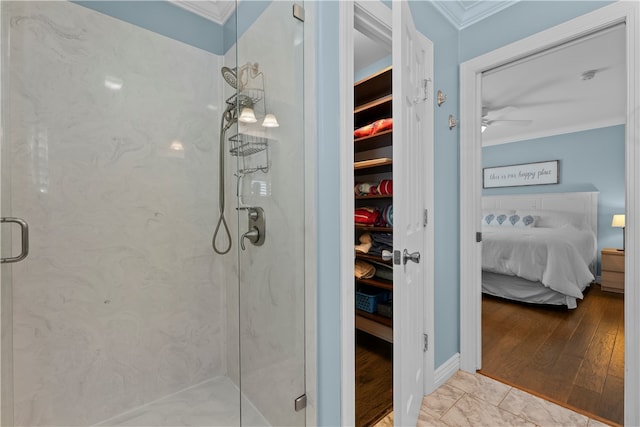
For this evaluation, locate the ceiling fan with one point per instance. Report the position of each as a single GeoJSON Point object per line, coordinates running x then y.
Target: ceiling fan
{"type": "Point", "coordinates": [495, 117]}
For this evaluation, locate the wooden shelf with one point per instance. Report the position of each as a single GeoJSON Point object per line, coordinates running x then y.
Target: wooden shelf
{"type": "Point", "coordinates": [376, 196]}
{"type": "Point", "coordinates": [374, 258]}
{"type": "Point", "coordinates": [372, 163]}
{"type": "Point", "coordinates": [374, 327]}
{"type": "Point", "coordinates": [373, 228]}
{"type": "Point", "coordinates": [388, 99]}
{"type": "Point", "coordinates": [373, 86]}
{"type": "Point", "coordinates": [373, 100]}
{"type": "Point", "coordinates": [387, 321]}
{"type": "Point", "coordinates": [381, 108]}
{"type": "Point", "coordinates": [373, 166]}
{"type": "Point", "coordinates": [387, 285]}
{"type": "Point", "coordinates": [371, 142]}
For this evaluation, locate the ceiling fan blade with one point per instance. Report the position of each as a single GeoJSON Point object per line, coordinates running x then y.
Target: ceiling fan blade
{"type": "Point", "coordinates": [509, 122]}
{"type": "Point", "coordinates": [489, 113]}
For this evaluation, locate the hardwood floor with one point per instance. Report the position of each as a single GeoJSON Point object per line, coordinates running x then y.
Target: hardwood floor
{"type": "Point", "coordinates": [374, 379]}
{"type": "Point", "coordinates": [571, 357]}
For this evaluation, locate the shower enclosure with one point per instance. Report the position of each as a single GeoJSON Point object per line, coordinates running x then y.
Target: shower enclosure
{"type": "Point", "coordinates": [114, 159]}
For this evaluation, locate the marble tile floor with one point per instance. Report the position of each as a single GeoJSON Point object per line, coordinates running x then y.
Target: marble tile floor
{"type": "Point", "coordinates": [214, 402]}
{"type": "Point", "coordinates": [475, 400]}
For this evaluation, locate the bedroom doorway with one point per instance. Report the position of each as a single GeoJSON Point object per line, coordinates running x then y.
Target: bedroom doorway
{"type": "Point", "coordinates": [471, 155]}
{"type": "Point", "coordinates": [573, 356]}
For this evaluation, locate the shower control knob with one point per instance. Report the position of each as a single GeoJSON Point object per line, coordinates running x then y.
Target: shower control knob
{"type": "Point", "coordinates": [253, 235]}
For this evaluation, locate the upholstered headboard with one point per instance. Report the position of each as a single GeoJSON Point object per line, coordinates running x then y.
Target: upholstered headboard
{"type": "Point", "coordinates": [585, 203]}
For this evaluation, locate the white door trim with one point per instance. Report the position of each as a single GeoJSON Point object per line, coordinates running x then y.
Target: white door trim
{"type": "Point", "coordinates": [470, 193]}
{"type": "Point", "coordinates": [375, 19]}
{"type": "Point", "coordinates": [347, 235]}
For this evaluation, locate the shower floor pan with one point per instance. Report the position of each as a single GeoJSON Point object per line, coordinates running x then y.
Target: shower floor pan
{"type": "Point", "coordinates": [210, 403]}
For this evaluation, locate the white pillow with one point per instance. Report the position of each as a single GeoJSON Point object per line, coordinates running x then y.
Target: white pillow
{"type": "Point", "coordinates": [517, 220]}
{"type": "Point", "coordinates": [495, 217]}
{"type": "Point", "coordinates": [555, 219]}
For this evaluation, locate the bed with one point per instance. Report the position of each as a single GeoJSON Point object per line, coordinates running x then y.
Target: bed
{"type": "Point", "coordinates": [539, 248]}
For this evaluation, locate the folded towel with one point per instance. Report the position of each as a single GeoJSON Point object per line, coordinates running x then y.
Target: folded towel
{"type": "Point", "coordinates": [366, 189]}
{"type": "Point", "coordinates": [385, 187]}
{"type": "Point", "coordinates": [387, 215]}
{"type": "Point", "coordinates": [373, 128]}
{"type": "Point", "coordinates": [366, 216]}
{"type": "Point", "coordinates": [382, 125]}
{"type": "Point", "coordinates": [381, 242]}
{"type": "Point", "coordinates": [363, 270]}
{"type": "Point", "coordinates": [365, 243]}
{"type": "Point", "coordinates": [363, 131]}
{"type": "Point", "coordinates": [382, 238]}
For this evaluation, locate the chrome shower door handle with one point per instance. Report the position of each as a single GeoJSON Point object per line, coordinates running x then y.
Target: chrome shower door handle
{"type": "Point", "coordinates": [24, 231]}
{"type": "Point", "coordinates": [253, 235]}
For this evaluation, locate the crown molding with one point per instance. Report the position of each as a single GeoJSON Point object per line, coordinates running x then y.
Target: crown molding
{"type": "Point", "coordinates": [464, 13]}
{"type": "Point", "coordinates": [217, 11]}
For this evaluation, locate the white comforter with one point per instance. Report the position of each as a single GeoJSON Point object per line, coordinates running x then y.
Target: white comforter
{"type": "Point", "coordinates": [557, 257]}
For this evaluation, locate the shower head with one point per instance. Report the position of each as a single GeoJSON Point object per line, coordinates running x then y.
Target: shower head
{"type": "Point", "coordinates": [230, 76]}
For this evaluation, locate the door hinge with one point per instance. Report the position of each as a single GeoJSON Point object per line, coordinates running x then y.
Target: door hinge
{"type": "Point", "coordinates": [478, 236]}
{"type": "Point", "coordinates": [425, 218]}
{"type": "Point", "coordinates": [426, 343]}
{"type": "Point", "coordinates": [300, 403]}
{"type": "Point", "coordinates": [298, 12]}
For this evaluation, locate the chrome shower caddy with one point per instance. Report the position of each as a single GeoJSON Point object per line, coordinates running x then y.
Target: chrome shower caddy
{"type": "Point", "coordinates": [245, 146]}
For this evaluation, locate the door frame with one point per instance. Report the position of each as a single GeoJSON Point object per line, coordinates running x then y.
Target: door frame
{"type": "Point", "coordinates": [374, 19]}
{"type": "Point", "coordinates": [470, 192]}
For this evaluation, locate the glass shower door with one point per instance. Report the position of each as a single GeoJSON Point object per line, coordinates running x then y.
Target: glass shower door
{"type": "Point", "coordinates": [110, 138]}
{"type": "Point", "coordinates": [271, 203]}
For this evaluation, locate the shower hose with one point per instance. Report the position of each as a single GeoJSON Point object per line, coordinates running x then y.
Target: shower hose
{"type": "Point", "coordinates": [221, 196]}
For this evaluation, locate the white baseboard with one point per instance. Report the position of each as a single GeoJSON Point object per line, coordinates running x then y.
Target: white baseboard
{"type": "Point", "coordinates": [447, 370]}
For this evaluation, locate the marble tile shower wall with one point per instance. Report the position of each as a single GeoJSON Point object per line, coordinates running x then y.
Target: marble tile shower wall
{"type": "Point", "coordinates": [114, 133]}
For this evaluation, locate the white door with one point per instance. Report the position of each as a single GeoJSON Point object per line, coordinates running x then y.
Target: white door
{"type": "Point", "coordinates": [412, 175]}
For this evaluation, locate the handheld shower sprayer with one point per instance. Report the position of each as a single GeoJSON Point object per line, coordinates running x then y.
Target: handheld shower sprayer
{"type": "Point", "coordinates": [235, 104]}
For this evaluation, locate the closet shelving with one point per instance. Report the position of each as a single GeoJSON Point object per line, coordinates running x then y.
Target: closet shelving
{"type": "Point", "coordinates": [373, 162]}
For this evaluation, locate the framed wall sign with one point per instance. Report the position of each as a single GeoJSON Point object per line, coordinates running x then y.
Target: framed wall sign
{"type": "Point", "coordinates": [539, 173]}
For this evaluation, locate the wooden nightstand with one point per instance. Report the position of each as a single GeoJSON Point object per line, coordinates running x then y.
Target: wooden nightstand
{"type": "Point", "coordinates": [612, 266]}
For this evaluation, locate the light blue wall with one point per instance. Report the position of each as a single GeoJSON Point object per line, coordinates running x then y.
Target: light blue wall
{"type": "Point", "coordinates": [179, 24]}
{"type": "Point", "coordinates": [589, 161]}
{"type": "Point", "coordinates": [328, 200]}
{"type": "Point", "coordinates": [521, 20]}
{"type": "Point", "coordinates": [373, 68]}
{"type": "Point", "coordinates": [164, 18]}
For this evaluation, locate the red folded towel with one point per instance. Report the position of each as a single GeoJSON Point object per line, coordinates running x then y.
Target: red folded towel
{"type": "Point", "coordinates": [373, 128]}
{"type": "Point", "coordinates": [366, 216]}
{"type": "Point", "coordinates": [363, 131]}
{"type": "Point", "coordinates": [385, 187]}
{"type": "Point", "coordinates": [382, 125]}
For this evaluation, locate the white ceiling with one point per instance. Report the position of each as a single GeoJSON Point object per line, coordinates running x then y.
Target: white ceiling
{"type": "Point", "coordinates": [547, 92]}
{"type": "Point", "coordinates": [464, 13]}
